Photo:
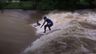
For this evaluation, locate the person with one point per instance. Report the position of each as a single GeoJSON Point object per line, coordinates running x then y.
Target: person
{"type": "Point", "coordinates": [49, 24]}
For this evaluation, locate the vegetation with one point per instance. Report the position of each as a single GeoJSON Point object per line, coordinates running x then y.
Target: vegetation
{"type": "Point", "coordinates": [48, 4]}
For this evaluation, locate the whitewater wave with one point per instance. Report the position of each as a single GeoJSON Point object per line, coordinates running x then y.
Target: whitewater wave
{"type": "Point", "coordinates": [76, 34]}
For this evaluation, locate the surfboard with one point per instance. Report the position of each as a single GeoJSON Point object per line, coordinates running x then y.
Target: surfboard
{"type": "Point", "coordinates": [47, 32]}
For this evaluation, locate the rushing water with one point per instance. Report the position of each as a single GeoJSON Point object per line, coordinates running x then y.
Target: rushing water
{"type": "Point", "coordinates": [74, 33]}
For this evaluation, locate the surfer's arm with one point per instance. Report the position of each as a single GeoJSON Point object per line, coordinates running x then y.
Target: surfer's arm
{"type": "Point", "coordinates": [43, 24]}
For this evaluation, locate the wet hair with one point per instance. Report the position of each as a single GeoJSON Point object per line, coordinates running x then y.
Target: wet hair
{"type": "Point", "coordinates": [45, 17]}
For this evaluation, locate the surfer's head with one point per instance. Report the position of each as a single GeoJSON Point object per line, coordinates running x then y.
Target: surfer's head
{"type": "Point", "coordinates": [45, 17]}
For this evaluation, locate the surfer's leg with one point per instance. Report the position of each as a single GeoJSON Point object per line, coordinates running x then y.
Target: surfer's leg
{"type": "Point", "coordinates": [49, 27]}
{"type": "Point", "coordinates": [45, 28]}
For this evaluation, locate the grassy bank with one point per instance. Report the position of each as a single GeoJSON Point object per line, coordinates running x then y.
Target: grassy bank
{"type": "Point", "coordinates": [17, 5]}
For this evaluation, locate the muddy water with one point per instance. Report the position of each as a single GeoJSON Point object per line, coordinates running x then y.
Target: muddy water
{"type": "Point", "coordinates": [15, 32]}
{"type": "Point", "coordinates": [76, 34]}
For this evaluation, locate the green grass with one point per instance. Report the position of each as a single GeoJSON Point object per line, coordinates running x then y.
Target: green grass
{"type": "Point", "coordinates": [20, 5]}
{"type": "Point", "coordinates": [27, 5]}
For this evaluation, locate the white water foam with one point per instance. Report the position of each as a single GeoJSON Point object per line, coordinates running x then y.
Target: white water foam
{"type": "Point", "coordinates": [68, 26]}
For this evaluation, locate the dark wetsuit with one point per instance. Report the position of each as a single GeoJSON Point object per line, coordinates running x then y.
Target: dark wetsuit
{"type": "Point", "coordinates": [49, 24]}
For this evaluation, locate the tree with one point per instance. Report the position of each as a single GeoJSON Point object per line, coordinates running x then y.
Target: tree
{"type": "Point", "coordinates": [2, 5]}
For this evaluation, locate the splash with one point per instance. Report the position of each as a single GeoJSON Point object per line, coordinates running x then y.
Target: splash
{"type": "Point", "coordinates": [76, 34]}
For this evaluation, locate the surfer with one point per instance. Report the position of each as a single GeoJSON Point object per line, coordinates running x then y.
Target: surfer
{"type": "Point", "coordinates": [49, 24]}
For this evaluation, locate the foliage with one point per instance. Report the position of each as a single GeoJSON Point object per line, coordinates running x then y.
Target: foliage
{"type": "Point", "coordinates": [50, 4]}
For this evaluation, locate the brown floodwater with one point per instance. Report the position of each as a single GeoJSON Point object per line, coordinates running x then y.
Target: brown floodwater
{"type": "Point", "coordinates": [15, 32]}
